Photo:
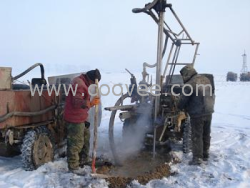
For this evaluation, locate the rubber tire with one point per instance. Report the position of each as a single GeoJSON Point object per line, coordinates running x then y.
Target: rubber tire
{"type": "Point", "coordinates": [187, 141]}
{"type": "Point", "coordinates": [27, 147]}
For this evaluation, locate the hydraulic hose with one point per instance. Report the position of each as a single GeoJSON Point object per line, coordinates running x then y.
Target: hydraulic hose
{"type": "Point", "coordinates": [29, 69]}
{"type": "Point", "coordinates": [26, 114]}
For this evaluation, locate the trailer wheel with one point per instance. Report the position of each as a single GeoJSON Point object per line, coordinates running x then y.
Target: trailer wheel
{"type": "Point", "coordinates": [187, 142]}
{"type": "Point", "coordinates": [37, 148]}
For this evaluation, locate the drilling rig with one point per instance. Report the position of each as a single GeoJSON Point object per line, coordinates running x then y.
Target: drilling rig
{"type": "Point", "coordinates": [245, 75]}
{"type": "Point", "coordinates": [164, 120]}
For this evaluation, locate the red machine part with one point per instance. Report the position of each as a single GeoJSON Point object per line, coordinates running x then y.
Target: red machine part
{"type": "Point", "coordinates": [22, 101]}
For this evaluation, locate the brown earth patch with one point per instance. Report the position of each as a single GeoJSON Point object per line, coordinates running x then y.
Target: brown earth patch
{"type": "Point", "coordinates": [141, 168]}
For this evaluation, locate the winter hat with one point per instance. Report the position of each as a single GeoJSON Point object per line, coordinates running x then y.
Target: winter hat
{"type": "Point", "coordinates": [94, 74]}
{"type": "Point", "coordinates": [187, 73]}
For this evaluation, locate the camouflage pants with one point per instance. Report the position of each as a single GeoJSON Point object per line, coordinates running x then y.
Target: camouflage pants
{"type": "Point", "coordinates": [77, 144]}
{"type": "Point", "coordinates": [201, 129]}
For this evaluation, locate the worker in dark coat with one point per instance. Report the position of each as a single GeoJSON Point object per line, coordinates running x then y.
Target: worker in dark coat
{"type": "Point", "coordinates": [197, 100]}
{"type": "Point", "coordinates": [75, 115]}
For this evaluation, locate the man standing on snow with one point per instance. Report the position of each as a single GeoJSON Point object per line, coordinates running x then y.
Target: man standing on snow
{"type": "Point", "coordinates": [75, 115]}
{"type": "Point", "coordinates": [198, 101]}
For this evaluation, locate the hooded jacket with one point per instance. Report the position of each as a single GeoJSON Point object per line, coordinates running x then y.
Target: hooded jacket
{"type": "Point", "coordinates": [74, 111]}
{"type": "Point", "coordinates": [198, 97]}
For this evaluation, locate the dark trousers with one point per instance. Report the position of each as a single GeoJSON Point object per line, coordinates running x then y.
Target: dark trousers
{"type": "Point", "coordinates": [201, 129]}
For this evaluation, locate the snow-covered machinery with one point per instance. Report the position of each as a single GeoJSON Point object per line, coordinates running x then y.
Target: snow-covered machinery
{"type": "Point", "coordinates": [31, 123]}
{"type": "Point", "coordinates": [157, 111]}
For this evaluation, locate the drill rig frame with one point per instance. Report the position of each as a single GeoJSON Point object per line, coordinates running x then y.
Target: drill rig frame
{"type": "Point", "coordinates": [164, 110]}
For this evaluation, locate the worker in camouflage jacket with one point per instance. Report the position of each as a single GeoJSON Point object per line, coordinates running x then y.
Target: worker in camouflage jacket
{"type": "Point", "coordinates": [198, 102]}
{"type": "Point", "coordinates": [75, 115]}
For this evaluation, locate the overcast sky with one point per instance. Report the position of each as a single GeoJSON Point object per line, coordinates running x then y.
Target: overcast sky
{"type": "Point", "coordinates": [76, 35]}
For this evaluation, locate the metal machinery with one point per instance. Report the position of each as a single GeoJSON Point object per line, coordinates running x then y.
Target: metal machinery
{"type": "Point", "coordinates": [245, 75]}
{"type": "Point", "coordinates": [28, 123]}
{"type": "Point", "coordinates": [232, 77]}
{"type": "Point", "coordinates": [164, 118]}
{"type": "Point", "coordinates": [33, 125]}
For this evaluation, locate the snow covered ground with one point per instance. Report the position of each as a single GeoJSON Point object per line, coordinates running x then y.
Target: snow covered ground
{"type": "Point", "coordinates": [228, 166]}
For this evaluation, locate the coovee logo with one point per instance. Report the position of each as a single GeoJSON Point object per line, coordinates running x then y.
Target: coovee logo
{"type": "Point", "coordinates": [142, 89]}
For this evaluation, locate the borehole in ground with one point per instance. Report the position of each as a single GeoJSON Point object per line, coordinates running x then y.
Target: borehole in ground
{"type": "Point", "coordinates": [141, 167]}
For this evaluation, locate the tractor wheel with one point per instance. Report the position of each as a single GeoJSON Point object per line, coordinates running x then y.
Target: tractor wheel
{"type": "Point", "coordinates": [37, 148]}
{"type": "Point", "coordinates": [187, 142]}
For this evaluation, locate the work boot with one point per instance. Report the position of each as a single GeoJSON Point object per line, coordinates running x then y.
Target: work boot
{"type": "Point", "coordinates": [78, 171]}
{"type": "Point", "coordinates": [85, 161]}
{"type": "Point", "coordinates": [205, 157]}
{"type": "Point", "coordinates": [196, 161]}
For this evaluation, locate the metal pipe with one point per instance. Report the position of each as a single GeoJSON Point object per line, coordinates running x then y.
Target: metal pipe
{"type": "Point", "coordinates": [177, 18]}
{"type": "Point", "coordinates": [165, 46]}
{"type": "Point", "coordinates": [146, 8]}
{"type": "Point", "coordinates": [29, 69]}
{"type": "Point", "coordinates": [123, 108]}
{"type": "Point", "coordinates": [187, 40]}
{"type": "Point", "coordinates": [169, 56]}
{"type": "Point", "coordinates": [173, 64]}
{"type": "Point", "coordinates": [180, 63]}
{"type": "Point", "coordinates": [169, 29]}
{"type": "Point", "coordinates": [176, 59]}
{"type": "Point", "coordinates": [158, 70]}
{"type": "Point", "coordinates": [31, 125]}
{"type": "Point", "coordinates": [111, 129]}
{"type": "Point", "coordinates": [26, 114]}
{"type": "Point", "coordinates": [95, 128]}
{"type": "Point", "coordinates": [148, 65]}
{"type": "Point", "coordinates": [195, 54]}
{"type": "Point", "coordinates": [180, 33]}
{"type": "Point", "coordinates": [157, 21]}
{"type": "Point", "coordinates": [163, 132]}
{"type": "Point", "coordinates": [173, 60]}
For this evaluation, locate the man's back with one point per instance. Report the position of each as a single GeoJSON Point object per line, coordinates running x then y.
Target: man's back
{"type": "Point", "coordinates": [198, 96]}
{"type": "Point", "coordinates": [198, 101]}
{"type": "Point", "coordinates": [201, 101]}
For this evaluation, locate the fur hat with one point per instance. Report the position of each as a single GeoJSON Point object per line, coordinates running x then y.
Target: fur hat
{"type": "Point", "coordinates": [187, 73]}
{"type": "Point", "coordinates": [94, 74]}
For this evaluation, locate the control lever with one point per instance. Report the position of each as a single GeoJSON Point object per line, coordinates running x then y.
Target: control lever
{"type": "Point", "coordinates": [138, 10]}
{"type": "Point", "coordinates": [133, 87]}
{"type": "Point", "coordinates": [146, 8]}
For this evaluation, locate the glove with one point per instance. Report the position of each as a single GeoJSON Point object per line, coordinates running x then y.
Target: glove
{"type": "Point", "coordinates": [95, 101]}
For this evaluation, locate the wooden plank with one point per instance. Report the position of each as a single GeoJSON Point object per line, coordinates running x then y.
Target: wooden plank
{"type": "Point", "coordinates": [5, 78]}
